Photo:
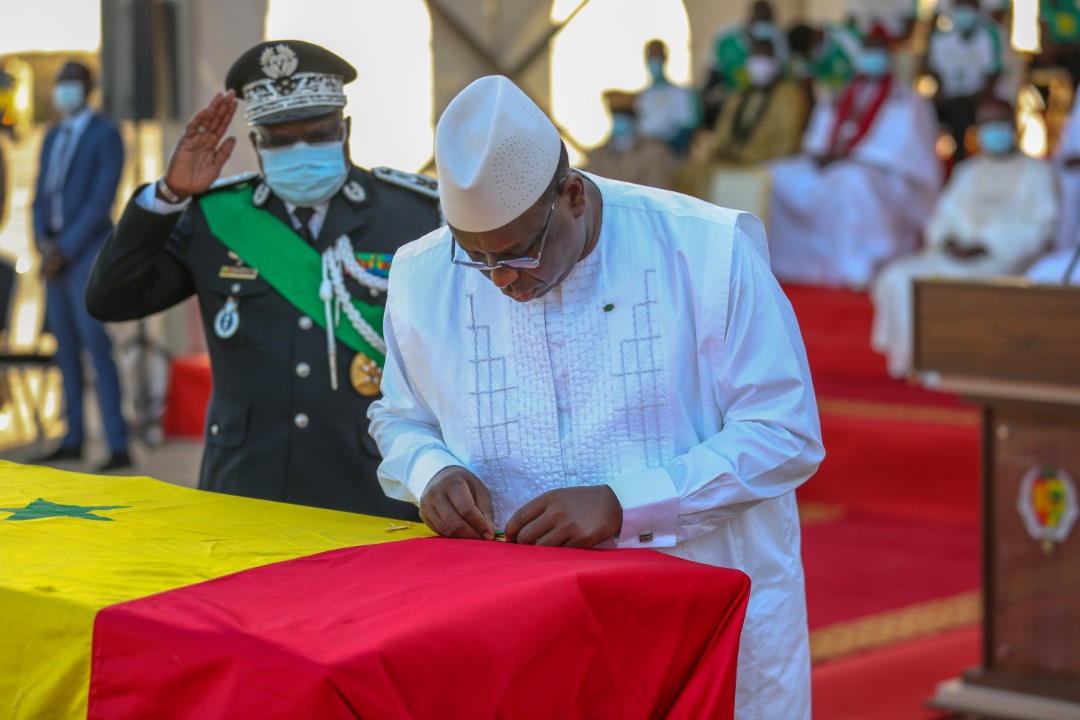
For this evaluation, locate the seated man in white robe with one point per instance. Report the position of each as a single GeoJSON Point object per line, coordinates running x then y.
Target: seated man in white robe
{"type": "Point", "coordinates": [1062, 261]}
{"type": "Point", "coordinates": [997, 213]}
{"type": "Point", "coordinates": [1067, 163]}
{"type": "Point", "coordinates": [865, 184]}
{"type": "Point", "coordinates": [583, 362]}
{"type": "Point", "coordinates": [1059, 267]}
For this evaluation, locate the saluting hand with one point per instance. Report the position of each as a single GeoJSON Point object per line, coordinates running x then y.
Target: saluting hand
{"type": "Point", "coordinates": [456, 504]}
{"type": "Point", "coordinates": [578, 517]}
{"type": "Point", "coordinates": [199, 156]}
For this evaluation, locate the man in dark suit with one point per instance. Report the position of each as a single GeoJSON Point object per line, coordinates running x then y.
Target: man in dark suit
{"type": "Point", "coordinates": [81, 161]}
{"type": "Point", "coordinates": [275, 259]}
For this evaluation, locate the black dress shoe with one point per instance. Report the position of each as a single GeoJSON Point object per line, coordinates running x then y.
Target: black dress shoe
{"type": "Point", "coordinates": [60, 454]}
{"type": "Point", "coordinates": [116, 461]}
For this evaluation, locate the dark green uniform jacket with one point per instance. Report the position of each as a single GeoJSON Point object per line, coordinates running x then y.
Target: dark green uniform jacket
{"type": "Point", "coordinates": [274, 429]}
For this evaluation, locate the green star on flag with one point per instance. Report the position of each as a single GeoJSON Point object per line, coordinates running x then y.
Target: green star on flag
{"type": "Point", "coordinates": [44, 509]}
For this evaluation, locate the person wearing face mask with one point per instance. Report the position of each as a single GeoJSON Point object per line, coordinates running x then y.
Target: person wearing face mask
{"type": "Point", "coordinates": [865, 182]}
{"type": "Point", "coordinates": [289, 267]}
{"type": "Point", "coordinates": [665, 112]}
{"type": "Point", "coordinates": [610, 366]}
{"type": "Point", "coordinates": [997, 212]}
{"type": "Point", "coordinates": [732, 48]}
{"type": "Point", "coordinates": [966, 62]}
{"type": "Point", "coordinates": [626, 156]}
{"type": "Point", "coordinates": [81, 161]}
{"type": "Point", "coordinates": [761, 123]}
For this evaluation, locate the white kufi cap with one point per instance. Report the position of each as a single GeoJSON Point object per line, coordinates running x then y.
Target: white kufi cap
{"type": "Point", "coordinates": [495, 152]}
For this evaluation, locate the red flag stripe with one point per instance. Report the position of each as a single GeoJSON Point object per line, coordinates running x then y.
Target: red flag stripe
{"type": "Point", "coordinates": [430, 628]}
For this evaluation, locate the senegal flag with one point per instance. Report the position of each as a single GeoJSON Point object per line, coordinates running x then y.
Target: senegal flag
{"type": "Point", "coordinates": [130, 598]}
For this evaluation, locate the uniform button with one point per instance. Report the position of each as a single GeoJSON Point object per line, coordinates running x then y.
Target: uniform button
{"type": "Point", "coordinates": [301, 420]}
{"type": "Point", "coordinates": [215, 429]}
{"type": "Point", "coordinates": [305, 322]}
{"type": "Point", "coordinates": [235, 289]}
{"type": "Point", "coordinates": [303, 370]}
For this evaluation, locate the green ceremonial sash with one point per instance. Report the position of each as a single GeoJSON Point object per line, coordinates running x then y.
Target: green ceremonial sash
{"type": "Point", "coordinates": [290, 265]}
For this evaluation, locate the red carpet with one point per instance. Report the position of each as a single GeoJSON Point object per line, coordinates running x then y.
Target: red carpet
{"type": "Point", "coordinates": [891, 541]}
{"type": "Point", "coordinates": [864, 564]}
{"type": "Point", "coordinates": [892, 684]}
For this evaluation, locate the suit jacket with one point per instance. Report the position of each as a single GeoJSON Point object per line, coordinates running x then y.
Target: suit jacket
{"type": "Point", "coordinates": [88, 189]}
{"type": "Point", "coordinates": [274, 429]}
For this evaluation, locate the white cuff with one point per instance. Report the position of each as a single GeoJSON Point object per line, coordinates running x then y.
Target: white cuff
{"type": "Point", "coordinates": [427, 466]}
{"type": "Point", "coordinates": [147, 199]}
{"type": "Point", "coordinates": [650, 509]}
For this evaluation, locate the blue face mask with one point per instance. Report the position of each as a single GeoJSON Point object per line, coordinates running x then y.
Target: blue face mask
{"type": "Point", "coordinates": [68, 96]}
{"type": "Point", "coordinates": [761, 30]}
{"type": "Point", "coordinates": [622, 126]}
{"type": "Point", "coordinates": [996, 138]}
{"type": "Point", "coordinates": [656, 69]}
{"type": "Point", "coordinates": [964, 18]}
{"type": "Point", "coordinates": [304, 174]}
{"type": "Point", "coordinates": [874, 63]}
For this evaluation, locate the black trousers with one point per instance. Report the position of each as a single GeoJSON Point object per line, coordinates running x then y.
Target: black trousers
{"type": "Point", "coordinates": [958, 114]}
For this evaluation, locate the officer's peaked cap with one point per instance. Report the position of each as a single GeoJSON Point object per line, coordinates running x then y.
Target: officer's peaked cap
{"type": "Point", "coordinates": [283, 80]}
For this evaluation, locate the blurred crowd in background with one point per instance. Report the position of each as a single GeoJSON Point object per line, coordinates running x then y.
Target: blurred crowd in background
{"type": "Point", "coordinates": [891, 146]}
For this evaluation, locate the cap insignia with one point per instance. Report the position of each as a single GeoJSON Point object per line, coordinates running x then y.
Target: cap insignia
{"type": "Point", "coordinates": [278, 61]}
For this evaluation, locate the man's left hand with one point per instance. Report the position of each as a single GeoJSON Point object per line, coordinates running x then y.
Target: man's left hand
{"type": "Point", "coordinates": [53, 261]}
{"type": "Point", "coordinates": [965, 252]}
{"type": "Point", "coordinates": [578, 517]}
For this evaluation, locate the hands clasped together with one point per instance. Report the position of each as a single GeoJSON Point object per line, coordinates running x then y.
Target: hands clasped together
{"type": "Point", "coordinates": [456, 504]}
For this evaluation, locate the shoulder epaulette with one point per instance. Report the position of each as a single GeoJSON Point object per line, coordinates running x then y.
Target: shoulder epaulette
{"type": "Point", "coordinates": [232, 180]}
{"type": "Point", "coordinates": [417, 183]}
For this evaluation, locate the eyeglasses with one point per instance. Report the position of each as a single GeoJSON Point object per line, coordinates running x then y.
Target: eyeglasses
{"type": "Point", "coordinates": [525, 263]}
{"type": "Point", "coordinates": [269, 141]}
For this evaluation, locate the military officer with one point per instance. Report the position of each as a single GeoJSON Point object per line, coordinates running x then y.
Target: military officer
{"type": "Point", "coordinates": [289, 267]}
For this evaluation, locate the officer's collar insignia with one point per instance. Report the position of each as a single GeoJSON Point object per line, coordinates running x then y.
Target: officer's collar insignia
{"type": "Point", "coordinates": [261, 195]}
{"type": "Point", "coordinates": [417, 183]}
{"type": "Point", "coordinates": [354, 192]}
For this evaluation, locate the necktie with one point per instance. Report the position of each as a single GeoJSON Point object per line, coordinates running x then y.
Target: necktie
{"type": "Point", "coordinates": [303, 216]}
{"type": "Point", "coordinates": [57, 171]}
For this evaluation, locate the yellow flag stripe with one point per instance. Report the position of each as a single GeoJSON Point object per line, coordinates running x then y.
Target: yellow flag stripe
{"type": "Point", "coordinates": [59, 570]}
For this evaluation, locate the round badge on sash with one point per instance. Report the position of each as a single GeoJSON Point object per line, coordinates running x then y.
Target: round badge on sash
{"type": "Point", "coordinates": [365, 375]}
{"type": "Point", "coordinates": [227, 320]}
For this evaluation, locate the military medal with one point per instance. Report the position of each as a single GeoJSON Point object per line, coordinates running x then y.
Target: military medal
{"type": "Point", "coordinates": [227, 320]}
{"type": "Point", "coordinates": [365, 375]}
{"type": "Point", "coordinates": [238, 272]}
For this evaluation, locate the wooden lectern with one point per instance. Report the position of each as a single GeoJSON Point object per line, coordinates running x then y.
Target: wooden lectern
{"type": "Point", "coordinates": [1014, 347]}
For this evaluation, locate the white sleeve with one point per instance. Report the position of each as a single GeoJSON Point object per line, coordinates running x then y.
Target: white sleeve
{"type": "Point", "coordinates": [1019, 236]}
{"type": "Point", "coordinates": [147, 199]}
{"type": "Point", "coordinates": [402, 424]}
{"type": "Point", "coordinates": [949, 218]}
{"type": "Point", "coordinates": [770, 441]}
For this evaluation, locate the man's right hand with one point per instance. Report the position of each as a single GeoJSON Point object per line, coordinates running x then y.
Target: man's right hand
{"type": "Point", "coordinates": [456, 504]}
{"type": "Point", "coordinates": [197, 161]}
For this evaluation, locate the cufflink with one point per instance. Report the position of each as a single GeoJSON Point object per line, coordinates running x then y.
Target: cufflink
{"type": "Point", "coordinates": [645, 537]}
